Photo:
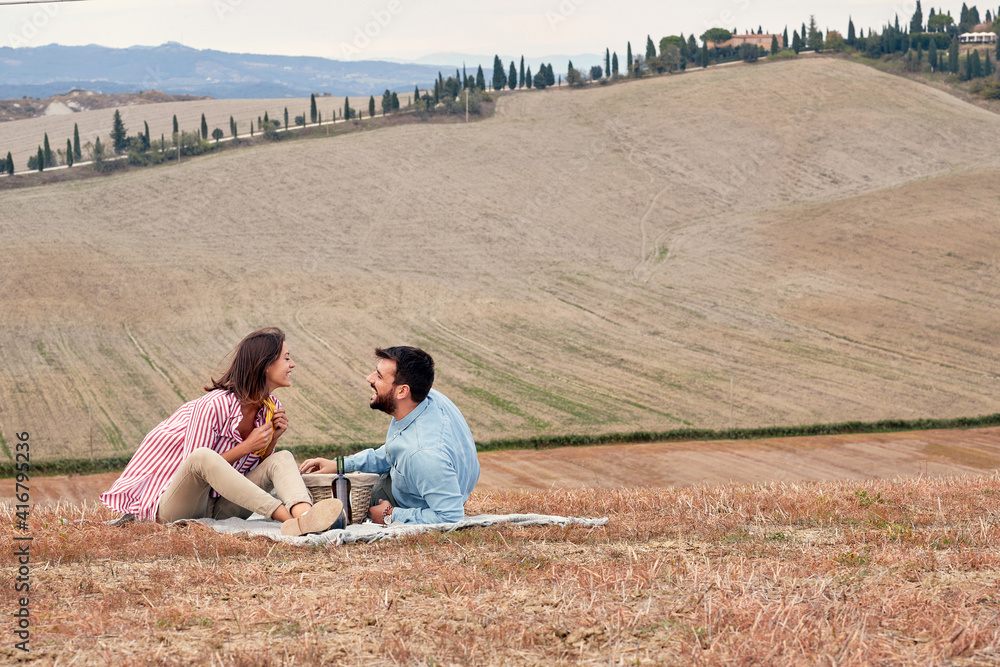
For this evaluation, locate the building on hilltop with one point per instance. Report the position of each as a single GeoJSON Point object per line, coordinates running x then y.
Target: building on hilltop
{"type": "Point", "coordinates": [736, 41]}
{"type": "Point", "coordinates": [978, 38]}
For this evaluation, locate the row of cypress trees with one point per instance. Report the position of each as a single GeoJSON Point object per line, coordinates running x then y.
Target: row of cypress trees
{"type": "Point", "coordinates": [121, 143]}
{"type": "Point", "coordinates": [45, 156]}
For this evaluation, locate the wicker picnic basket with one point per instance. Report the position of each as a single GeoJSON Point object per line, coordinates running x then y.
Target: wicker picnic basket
{"type": "Point", "coordinates": [321, 486]}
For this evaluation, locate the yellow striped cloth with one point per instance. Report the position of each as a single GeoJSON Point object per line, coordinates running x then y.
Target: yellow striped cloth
{"type": "Point", "coordinates": [269, 407]}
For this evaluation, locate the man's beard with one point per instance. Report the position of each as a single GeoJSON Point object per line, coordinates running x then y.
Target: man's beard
{"type": "Point", "coordinates": [386, 403]}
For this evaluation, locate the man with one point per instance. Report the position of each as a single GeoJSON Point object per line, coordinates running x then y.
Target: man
{"type": "Point", "coordinates": [428, 463]}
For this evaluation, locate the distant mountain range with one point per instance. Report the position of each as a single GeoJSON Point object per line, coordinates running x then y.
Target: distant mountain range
{"type": "Point", "coordinates": [177, 69]}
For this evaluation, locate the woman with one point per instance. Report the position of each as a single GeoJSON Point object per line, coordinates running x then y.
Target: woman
{"type": "Point", "coordinates": [215, 456]}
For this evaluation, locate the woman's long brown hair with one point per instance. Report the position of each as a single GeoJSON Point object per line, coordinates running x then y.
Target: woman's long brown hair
{"type": "Point", "coordinates": [246, 376]}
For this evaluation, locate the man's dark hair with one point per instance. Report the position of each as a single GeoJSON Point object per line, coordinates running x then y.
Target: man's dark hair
{"type": "Point", "coordinates": [414, 367]}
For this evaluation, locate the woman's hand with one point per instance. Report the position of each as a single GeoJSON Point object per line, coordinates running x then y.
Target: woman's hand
{"type": "Point", "coordinates": [258, 439]}
{"type": "Point", "coordinates": [252, 443]}
{"type": "Point", "coordinates": [325, 466]}
{"type": "Point", "coordinates": [280, 422]}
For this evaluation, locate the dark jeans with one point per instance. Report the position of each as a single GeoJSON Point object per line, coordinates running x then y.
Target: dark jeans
{"type": "Point", "coordinates": [383, 491]}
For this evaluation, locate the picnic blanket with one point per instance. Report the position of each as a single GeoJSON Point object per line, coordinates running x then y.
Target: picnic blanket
{"type": "Point", "coordinates": [372, 532]}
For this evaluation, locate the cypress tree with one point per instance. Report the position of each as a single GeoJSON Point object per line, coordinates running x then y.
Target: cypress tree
{"type": "Point", "coordinates": [520, 79]}
{"type": "Point", "coordinates": [286, 120]}
{"type": "Point", "coordinates": [953, 56]}
{"type": "Point", "coordinates": [10, 164]}
{"type": "Point", "coordinates": [47, 153]}
{"type": "Point", "coordinates": [704, 54]}
{"type": "Point", "coordinates": [312, 107]}
{"type": "Point", "coordinates": [347, 109]}
{"type": "Point", "coordinates": [917, 22]}
{"type": "Point", "coordinates": [480, 79]}
{"type": "Point", "coordinates": [774, 44]}
{"type": "Point", "coordinates": [371, 106]}
{"type": "Point", "coordinates": [512, 77]}
{"type": "Point", "coordinates": [614, 64]}
{"type": "Point", "coordinates": [40, 160]}
{"type": "Point", "coordinates": [499, 78]}
{"type": "Point", "coordinates": [796, 42]}
{"type": "Point", "coordinates": [77, 154]}
{"type": "Point", "coordinates": [387, 96]}
{"type": "Point", "coordinates": [932, 58]}
{"type": "Point", "coordinates": [987, 65]}
{"type": "Point", "coordinates": [465, 77]}
{"type": "Point", "coordinates": [650, 49]}
{"type": "Point", "coordinates": [175, 124]}
{"type": "Point", "coordinates": [851, 36]}
{"type": "Point", "coordinates": [145, 137]}
{"type": "Point", "coordinates": [784, 39]}
{"type": "Point", "coordinates": [119, 137]}
{"type": "Point", "coordinates": [550, 75]}
{"type": "Point", "coordinates": [973, 65]}
{"type": "Point", "coordinates": [607, 62]}
{"type": "Point", "coordinates": [628, 59]}
{"type": "Point", "coordinates": [527, 79]}
{"type": "Point", "coordinates": [69, 153]}
{"type": "Point", "coordinates": [204, 128]}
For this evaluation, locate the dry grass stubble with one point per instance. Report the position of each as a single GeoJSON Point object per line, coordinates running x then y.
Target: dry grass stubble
{"type": "Point", "coordinates": [843, 573]}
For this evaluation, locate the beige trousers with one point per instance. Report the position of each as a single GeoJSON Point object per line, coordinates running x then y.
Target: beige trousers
{"type": "Point", "coordinates": [187, 494]}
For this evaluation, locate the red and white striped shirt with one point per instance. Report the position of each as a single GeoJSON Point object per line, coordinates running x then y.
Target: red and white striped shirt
{"type": "Point", "coordinates": [210, 421]}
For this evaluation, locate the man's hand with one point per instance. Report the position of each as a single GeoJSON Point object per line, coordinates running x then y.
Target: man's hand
{"type": "Point", "coordinates": [376, 511]}
{"type": "Point", "coordinates": [280, 422]}
{"type": "Point", "coordinates": [325, 466]}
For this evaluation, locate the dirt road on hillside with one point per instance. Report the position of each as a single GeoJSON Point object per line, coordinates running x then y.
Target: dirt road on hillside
{"type": "Point", "coordinates": [674, 464]}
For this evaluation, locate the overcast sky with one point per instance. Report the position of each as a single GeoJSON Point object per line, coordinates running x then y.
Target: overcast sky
{"type": "Point", "coordinates": [405, 29]}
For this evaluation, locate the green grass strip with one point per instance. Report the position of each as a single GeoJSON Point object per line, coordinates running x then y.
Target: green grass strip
{"type": "Point", "coordinates": [117, 463]}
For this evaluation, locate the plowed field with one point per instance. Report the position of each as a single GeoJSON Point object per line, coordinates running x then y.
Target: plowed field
{"type": "Point", "coordinates": [794, 243]}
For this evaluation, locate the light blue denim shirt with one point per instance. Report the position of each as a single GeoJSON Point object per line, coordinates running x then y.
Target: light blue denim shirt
{"type": "Point", "coordinates": [432, 459]}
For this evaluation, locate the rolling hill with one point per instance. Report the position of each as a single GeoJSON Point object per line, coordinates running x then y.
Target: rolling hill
{"type": "Point", "coordinates": [800, 242]}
